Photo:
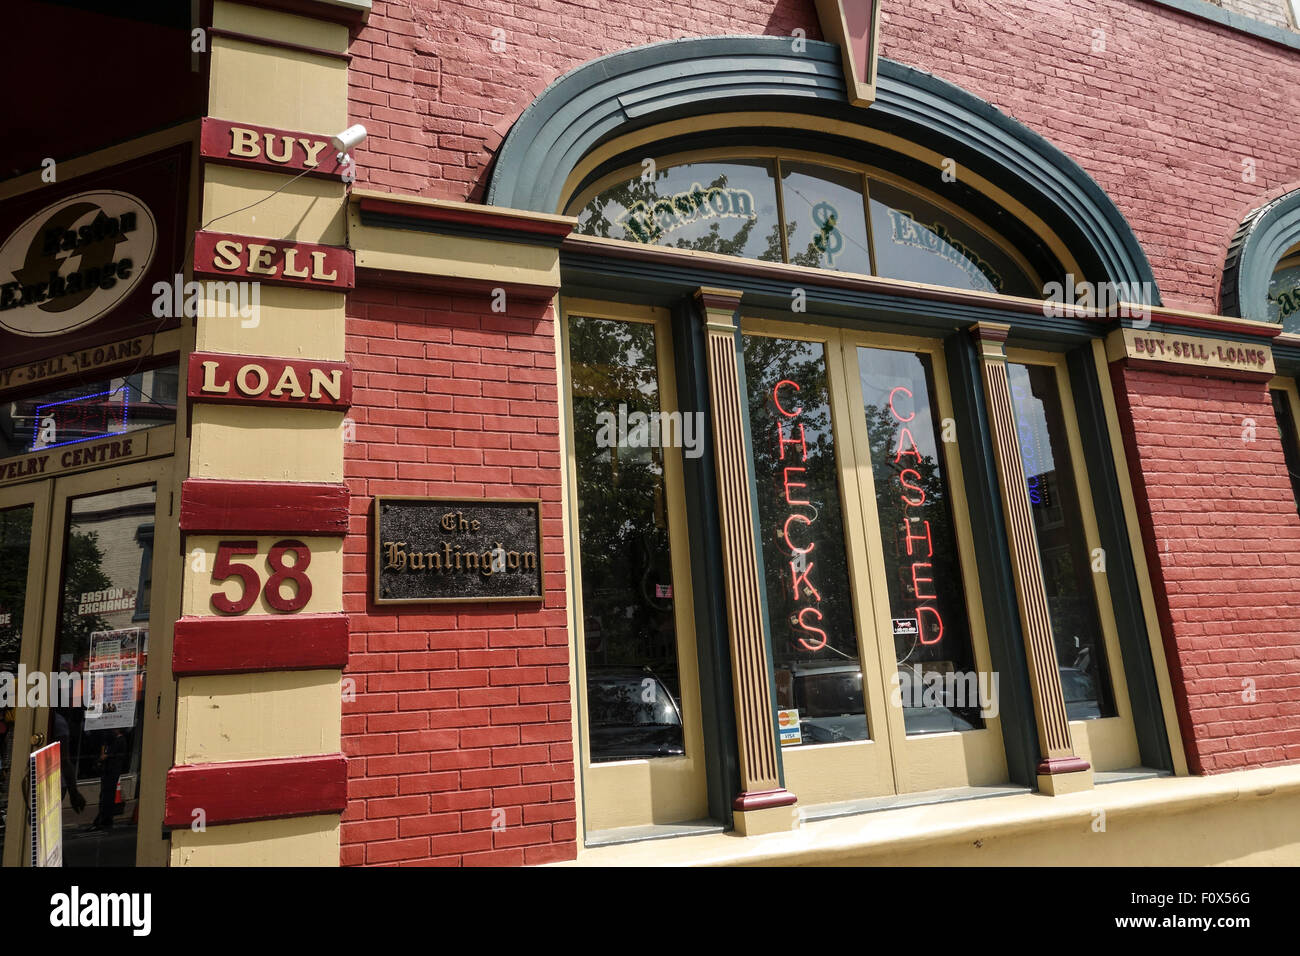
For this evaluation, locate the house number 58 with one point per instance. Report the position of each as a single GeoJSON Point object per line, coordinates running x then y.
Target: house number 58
{"type": "Point", "coordinates": [276, 594]}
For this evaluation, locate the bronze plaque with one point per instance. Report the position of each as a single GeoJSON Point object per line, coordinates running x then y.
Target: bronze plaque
{"type": "Point", "coordinates": [435, 550]}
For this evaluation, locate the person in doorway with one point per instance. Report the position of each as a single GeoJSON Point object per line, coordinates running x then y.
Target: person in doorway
{"type": "Point", "coordinates": [61, 734]}
{"type": "Point", "coordinates": [113, 757]}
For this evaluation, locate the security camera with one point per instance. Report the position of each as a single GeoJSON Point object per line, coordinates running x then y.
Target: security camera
{"type": "Point", "coordinates": [350, 137]}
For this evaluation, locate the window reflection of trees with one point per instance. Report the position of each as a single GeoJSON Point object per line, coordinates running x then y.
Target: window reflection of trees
{"type": "Point", "coordinates": [622, 512]}
{"type": "Point", "coordinates": [599, 217]}
{"type": "Point", "coordinates": [1063, 549]}
{"type": "Point", "coordinates": [15, 544]}
{"type": "Point", "coordinates": [881, 371]}
{"type": "Point", "coordinates": [767, 362]}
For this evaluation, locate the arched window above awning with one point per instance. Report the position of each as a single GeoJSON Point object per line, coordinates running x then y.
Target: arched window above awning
{"type": "Point", "coordinates": [758, 95]}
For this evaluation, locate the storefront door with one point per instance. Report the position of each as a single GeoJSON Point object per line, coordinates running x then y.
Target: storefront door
{"type": "Point", "coordinates": [883, 678]}
{"type": "Point", "coordinates": [78, 570]}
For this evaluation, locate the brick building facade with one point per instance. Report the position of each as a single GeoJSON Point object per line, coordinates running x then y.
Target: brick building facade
{"type": "Point", "coordinates": [464, 712]}
{"type": "Point", "coordinates": [768, 315]}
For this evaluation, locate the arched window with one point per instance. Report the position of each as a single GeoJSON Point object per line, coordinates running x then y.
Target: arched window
{"type": "Point", "coordinates": [810, 210]}
{"type": "Point", "coordinates": [1261, 276]}
{"type": "Point", "coordinates": [1284, 291]}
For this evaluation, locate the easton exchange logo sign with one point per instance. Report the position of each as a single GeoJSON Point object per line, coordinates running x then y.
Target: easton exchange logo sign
{"type": "Point", "coordinates": [72, 262]}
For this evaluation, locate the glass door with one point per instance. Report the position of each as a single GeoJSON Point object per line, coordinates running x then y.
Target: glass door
{"type": "Point", "coordinates": [90, 568]}
{"type": "Point", "coordinates": [883, 678]}
{"type": "Point", "coordinates": [943, 701]}
{"type": "Point", "coordinates": [830, 688]}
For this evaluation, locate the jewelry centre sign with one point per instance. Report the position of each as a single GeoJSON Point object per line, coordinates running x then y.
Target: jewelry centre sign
{"type": "Point", "coordinates": [435, 550]}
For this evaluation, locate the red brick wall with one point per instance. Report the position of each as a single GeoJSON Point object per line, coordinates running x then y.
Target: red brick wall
{"type": "Point", "coordinates": [1162, 118]}
{"type": "Point", "coordinates": [460, 710]}
{"type": "Point", "coordinates": [1223, 542]}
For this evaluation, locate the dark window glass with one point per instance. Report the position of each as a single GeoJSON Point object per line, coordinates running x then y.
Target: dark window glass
{"type": "Point", "coordinates": [727, 207]}
{"type": "Point", "coordinates": [1290, 446]}
{"type": "Point", "coordinates": [629, 628]}
{"type": "Point", "coordinates": [15, 547]}
{"type": "Point", "coordinates": [918, 240]}
{"type": "Point", "coordinates": [1284, 292]}
{"type": "Point", "coordinates": [927, 602]}
{"type": "Point", "coordinates": [1062, 547]}
{"type": "Point", "coordinates": [825, 217]}
{"type": "Point", "coordinates": [809, 600]}
{"type": "Point", "coordinates": [81, 413]}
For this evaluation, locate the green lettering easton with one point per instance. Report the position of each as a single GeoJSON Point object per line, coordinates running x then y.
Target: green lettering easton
{"type": "Point", "coordinates": [650, 222]}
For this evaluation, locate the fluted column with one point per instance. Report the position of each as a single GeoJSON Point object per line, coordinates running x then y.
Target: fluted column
{"type": "Point", "coordinates": [763, 804]}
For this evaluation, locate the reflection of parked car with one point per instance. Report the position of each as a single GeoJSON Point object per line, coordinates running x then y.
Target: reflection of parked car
{"type": "Point", "coordinates": [829, 701]}
{"type": "Point", "coordinates": [1080, 694]}
{"type": "Point", "coordinates": [632, 715]}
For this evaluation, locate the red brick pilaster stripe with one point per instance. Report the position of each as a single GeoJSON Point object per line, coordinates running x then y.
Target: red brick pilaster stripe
{"type": "Point", "coordinates": [242, 790]}
{"type": "Point", "coordinates": [260, 642]}
{"type": "Point", "coordinates": [263, 507]}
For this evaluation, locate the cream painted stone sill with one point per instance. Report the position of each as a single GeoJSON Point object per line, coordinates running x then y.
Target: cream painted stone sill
{"type": "Point", "coordinates": [1245, 817]}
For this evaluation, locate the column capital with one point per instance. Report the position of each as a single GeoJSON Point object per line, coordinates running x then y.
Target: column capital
{"type": "Point", "coordinates": [990, 338]}
{"type": "Point", "coordinates": [718, 307]}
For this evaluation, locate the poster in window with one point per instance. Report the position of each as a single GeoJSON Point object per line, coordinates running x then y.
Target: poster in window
{"type": "Point", "coordinates": [46, 806]}
{"type": "Point", "coordinates": [114, 663]}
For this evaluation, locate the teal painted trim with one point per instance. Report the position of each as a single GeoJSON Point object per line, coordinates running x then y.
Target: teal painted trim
{"type": "Point", "coordinates": [1260, 241]}
{"type": "Point", "coordinates": [645, 85]}
{"type": "Point", "coordinates": [1287, 359]}
{"type": "Point", "coordinates": [704, 538]}
{"type": "Point", "coordinates": [1208, 11]}
{"type": "Point", "coordinates": [655, 283]}
{"type": "Point", "coordinates": [652, 84]}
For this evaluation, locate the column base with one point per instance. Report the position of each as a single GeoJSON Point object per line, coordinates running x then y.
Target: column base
{"type": "Point", "coordinates": [1058, 776]}
{"type": "Point", "coordinates": [771, 820]}
{"type": "Point", "coordinates": [765, 811]}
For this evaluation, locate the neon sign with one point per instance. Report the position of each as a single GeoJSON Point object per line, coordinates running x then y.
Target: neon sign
{"type": "Point", "coordinates": [916, 530]}
{"type": "Point", "coordinates": [84, 418]}
{"type": "Point", "coordinates": [796, 523]}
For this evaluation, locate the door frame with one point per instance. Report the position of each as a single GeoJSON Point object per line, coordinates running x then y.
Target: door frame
{"type": "Point", "coordinates": [158, 723]}
{"type": "Point", "coordinates": [919, 762]}
{"type": "Point", "coordinates": [664, 790]}
{"type": "Point", "coordinates": [953, 758]}
{"type": "Point", "coordinates": [39, 495]}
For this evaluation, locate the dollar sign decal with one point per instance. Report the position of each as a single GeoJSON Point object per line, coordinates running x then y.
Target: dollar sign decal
{"type": "Point", "coordinates": [828, 239]}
